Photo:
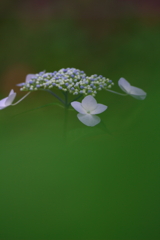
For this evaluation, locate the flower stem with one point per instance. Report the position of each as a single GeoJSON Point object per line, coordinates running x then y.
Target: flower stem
{"type": "Point", "coordinates": [48, 104]}
{"type": "Point", "coordinates": [116, 92]}
{"type": "Point", "coordinates": [66, 99]}
{"type": "Point", "coordinates": [55, 95]}
{"type": "Point", "coordinates": [77, 98]}
{"type": "Point", "coordinates": [65, 124]}
{"type": "Point", "coordinates": [21, 99]}
{"type": "Point", "coordinates": [66, 105]}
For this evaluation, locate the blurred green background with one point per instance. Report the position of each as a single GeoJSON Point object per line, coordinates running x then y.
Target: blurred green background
{"type": "Point", "coordinates": [103, 182]}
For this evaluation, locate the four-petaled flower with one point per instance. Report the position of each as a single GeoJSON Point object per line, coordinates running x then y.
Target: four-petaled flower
{"type": "Point", "coordinates": [133, 91]}
{"type": "Point", "coordinates": [87, 110]}
{"type": "Point", "coordinates": [5, 102]}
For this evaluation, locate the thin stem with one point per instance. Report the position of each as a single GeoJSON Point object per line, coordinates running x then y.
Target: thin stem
{"type": "Point", "coordinates": [55, 95]}
{"type": "Point", "coordinates": [104, 128]}
{"type": "Point", "coordinates": [116, 92]}
{"type": "Point", "coordinates": [21, 99]}
{"type": "Point", "coordinates": [66, 98]}
{"type": "Point", "coordinates": [48, 104]}
{"type": "Point", "coordinates": [65, 117]}
{"type": "Point", "coordinates": [77, 97]}
{"type": "Point", "coordinates": [65, 124]}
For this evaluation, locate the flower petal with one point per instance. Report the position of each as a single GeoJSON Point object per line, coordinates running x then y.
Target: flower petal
{"type": "Point", "coordinates": [78, 107]}
{"type": "Point", "coordinates": [124, 85]}
{"type": "Point", "coordinates": [99, 109]}
{"type": "Point", "coordinates": [137, 93]}
{"type": "Point", "coordinates": [10, 98]}
{"type": "Point", "coordinates": [3, 103]}
{"type": "Point", "coordinates": [88, 119]}
{"type": "Point", "coordinates": [28, 77]}
{"type": "Point", "coordinates": [89, 103]}
{"type": "Point", "coordinates": [11, 92]}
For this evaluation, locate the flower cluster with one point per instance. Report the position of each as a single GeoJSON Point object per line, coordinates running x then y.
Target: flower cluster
{"type": "Point", "coordinates": [72, 80]}
{"type": "Point", "coordinates": [76, 82]}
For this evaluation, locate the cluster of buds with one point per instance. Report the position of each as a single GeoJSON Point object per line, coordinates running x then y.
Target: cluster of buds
{"type": "Point", "coordinates": [72, 80]}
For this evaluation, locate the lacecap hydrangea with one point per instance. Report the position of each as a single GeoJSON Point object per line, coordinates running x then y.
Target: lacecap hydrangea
{"type": "Point", "coordinates": [72, 80]}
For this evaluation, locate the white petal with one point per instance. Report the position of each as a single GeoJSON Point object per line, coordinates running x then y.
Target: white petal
{"type": "Point", "coordinates": [3, 103]}
{"type": "Point", "coordinates": [28, 77]}
{"type": "Point", "coordinates": [89, 103]}
{"type": "Point", "coordinates": [99, 109]}
{"type": "Point", "coordinates": [88, 119]}
{"type": "Point", "coordinates": [10, 98]}
{"type": "Point", "coordinates": [11, 92]}
{"type": "Point", "coordinates": [137, 93]}
{"type": "Point", "coordinates": [124, 85]}
{"type": "Point", "coordinates": [78, 107]}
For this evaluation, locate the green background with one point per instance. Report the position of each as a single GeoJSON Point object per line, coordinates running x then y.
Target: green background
{"type": "Point", "coordinates": [103, 181]}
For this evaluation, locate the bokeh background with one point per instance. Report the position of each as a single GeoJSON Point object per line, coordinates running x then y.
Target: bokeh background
{"type": "Point", "coordinates": [102, 182]}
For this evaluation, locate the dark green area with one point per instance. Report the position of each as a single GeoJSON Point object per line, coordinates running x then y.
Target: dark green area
{"type": "Point", "coordinates": [103, 182]}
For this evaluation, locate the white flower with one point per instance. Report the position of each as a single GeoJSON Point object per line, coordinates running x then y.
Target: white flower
{"type": "Point", "coordinates": [5, 102]}
{"type": "Point", "coordinates": [133, 91]}
{"type": "Point", "coordinates": [27, 80]}
{"type": "Point", "coordinates": [87, 110]}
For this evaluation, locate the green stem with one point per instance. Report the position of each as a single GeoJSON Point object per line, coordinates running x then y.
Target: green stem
{"type": "Point", "coordinates": [66, 99]}
{"type": "Point", "coordinates": [65, 116]}
{"type": "Point", "coordinates": [104, 128]}
{"type": "Point", "coordinates": [65, 124]}
{"type": "Point", "coordinates": [55, 95]}
{"type": "Point", "coordinates": [39, 108]}
{"type": "Point", "coordinates": [79, 96]}
{"type": "Point", "coordinates": [67, 105]}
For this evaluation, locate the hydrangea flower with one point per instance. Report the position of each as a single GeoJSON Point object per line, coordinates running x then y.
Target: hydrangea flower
{"type": "Point", "coordinates": [5, 102]}
{"type": "Point", "coordinates": [131, 90]}
{"type": "Point", "coordinates": [70, 80]}
{"type": "Point", "coordinates": [87, 110]}
{"type": "Point", "coordinates": [76, 82]}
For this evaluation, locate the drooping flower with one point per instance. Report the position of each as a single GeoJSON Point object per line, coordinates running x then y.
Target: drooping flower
{"type": "Point", "coordinates": [131, 90]}
{"type": "Point", "coordinates": [87, 110]}
{"type": "Point", "coordinates": [5, 102]}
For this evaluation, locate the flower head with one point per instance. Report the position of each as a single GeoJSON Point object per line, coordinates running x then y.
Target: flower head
{"type": "Point", "coordinates": [133, 91]}
{"type": "Point", "coordinates": [5, 102]}
{"type": "Point", "coordinates": [72, 80]}
{"type": "Point", "coordinates": [87, 110]}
